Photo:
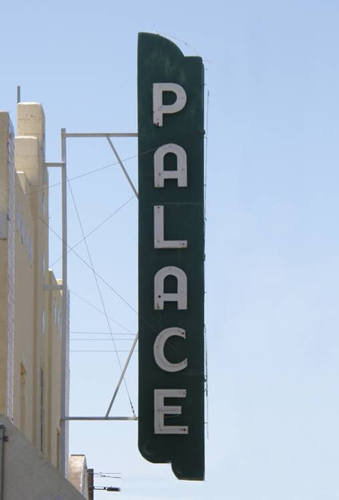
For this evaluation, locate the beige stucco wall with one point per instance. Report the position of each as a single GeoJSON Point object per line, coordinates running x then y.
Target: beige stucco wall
{"type": "Point", "coordinates": [37, 344]}
{"type": "Point", "coordinates": [24, 317]}
{"type": "Point", "coordinates": [34, 368]}
{"type": "Point", "coordinates": [29, 159]}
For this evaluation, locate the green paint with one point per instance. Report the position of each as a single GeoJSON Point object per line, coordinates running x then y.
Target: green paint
{"type": "Point", "coordinates": [160, 61]}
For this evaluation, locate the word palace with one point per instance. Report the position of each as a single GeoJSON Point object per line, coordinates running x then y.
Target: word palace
{"type": "Point", "coordinates": [171, 257]}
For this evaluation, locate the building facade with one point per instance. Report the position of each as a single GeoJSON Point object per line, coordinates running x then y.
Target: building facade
{"type": "Point", "coordinates": [30, 295]}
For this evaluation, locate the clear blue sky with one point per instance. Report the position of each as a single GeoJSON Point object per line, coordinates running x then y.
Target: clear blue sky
{"type": "Point", "coordinates": [272, 271]}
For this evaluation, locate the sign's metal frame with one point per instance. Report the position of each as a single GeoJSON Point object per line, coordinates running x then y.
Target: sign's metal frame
{"type": "Point", "coordinates": [64, 287]}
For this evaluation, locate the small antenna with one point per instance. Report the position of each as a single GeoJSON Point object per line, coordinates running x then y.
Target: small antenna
{"type": "Point", "coordinates": [18, 94]}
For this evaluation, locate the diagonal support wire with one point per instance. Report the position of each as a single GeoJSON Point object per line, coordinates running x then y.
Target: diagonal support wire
{"type": "Point", "coordinates": [122, 166]}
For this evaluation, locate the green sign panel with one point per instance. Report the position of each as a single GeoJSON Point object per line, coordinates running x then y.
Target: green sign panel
{"type": "Point", "coordinates": [171, 256]}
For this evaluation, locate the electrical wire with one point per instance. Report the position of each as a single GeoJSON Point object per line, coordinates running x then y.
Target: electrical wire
{"type": "Point", "coordinates": [128, 331]}
{"type": "Point", "coordinates": [91, 268]}
{"type": "Point", "coordinates": [100, 293]}
{"type": "Point", "coordinates": [96, 228]}
{"type": "Point", "coordinates": [93, 171]}
{"type": "Point", "coordinates": [73, 332]}
{"type": "Point", "coordinates": [112, 475]}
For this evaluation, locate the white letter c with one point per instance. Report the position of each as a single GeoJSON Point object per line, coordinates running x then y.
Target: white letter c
{"type": "Point", "coordinates": [159, 347]}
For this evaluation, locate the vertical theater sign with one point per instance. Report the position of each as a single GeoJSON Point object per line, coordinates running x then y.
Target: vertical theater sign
{"type": "Point", "coordinates": [171, 256]}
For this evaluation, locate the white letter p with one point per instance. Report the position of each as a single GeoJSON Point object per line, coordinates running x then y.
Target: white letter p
{"type": "Point", "coordinates": [160, 109]}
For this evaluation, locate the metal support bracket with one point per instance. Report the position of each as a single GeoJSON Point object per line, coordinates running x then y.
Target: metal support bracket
{"type": "Point", "coordinates": [101, 134]}
{"type": "Point", "coordinates": [63, 420]}
{"type": "Point", "coordinates": [54, 163]}
{"type": "Point", "coordinates": [129, 180]}
{"type": "Point", "coordinates": [53, 288]}
{"type": "Point", "coordinates": [98, 418]}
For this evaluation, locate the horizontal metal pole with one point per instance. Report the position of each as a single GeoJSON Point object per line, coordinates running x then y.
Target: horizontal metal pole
{"type": "Point", "coordinates": [101, 134]}
{"type": "Point", "coordinates": [99, 418]}
{"type": "Point", "coordinates": [54, 164]}
{"type": "Point", "coordinates": [51, 288]}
